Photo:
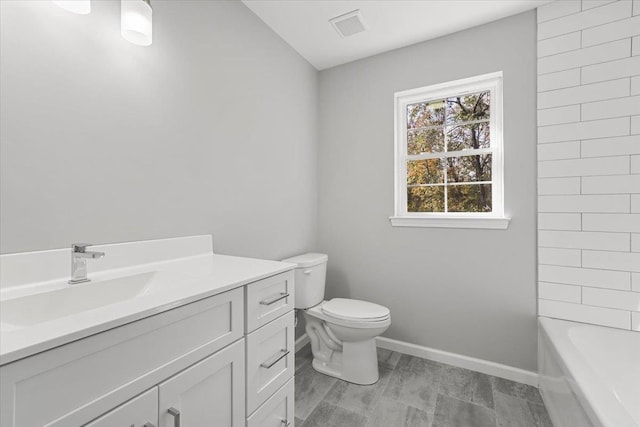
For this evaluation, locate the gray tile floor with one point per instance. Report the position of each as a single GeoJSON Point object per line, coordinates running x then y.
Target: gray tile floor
{"type": "Point", "coordinates": [414, 392]}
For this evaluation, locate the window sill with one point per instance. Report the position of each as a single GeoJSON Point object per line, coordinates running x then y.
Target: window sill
{"type": "Point", "coordinates": [451, 222]}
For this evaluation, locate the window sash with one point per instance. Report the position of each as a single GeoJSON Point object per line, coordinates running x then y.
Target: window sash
{"type": "Point", "coordinates": [449, 125]}
{"type": "Point", "coordinates": [449, 184]}
{"type": "Point", "coordinates": [489, 82]}
{"type": "Point", "coordinates": [445, 154]}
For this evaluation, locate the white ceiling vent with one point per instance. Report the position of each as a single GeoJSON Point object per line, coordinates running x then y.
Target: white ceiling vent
{"type": "Point", "coordinates": [349, 24]}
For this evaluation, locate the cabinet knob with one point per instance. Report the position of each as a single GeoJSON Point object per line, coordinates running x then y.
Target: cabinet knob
{"type": "Point", "coordinates": [176, 416]}
{"type": "Point", "coordinates": [286, 423]}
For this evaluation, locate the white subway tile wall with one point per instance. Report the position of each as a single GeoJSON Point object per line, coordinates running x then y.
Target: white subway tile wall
{"type": "Point", "coordinates": [589, 161]}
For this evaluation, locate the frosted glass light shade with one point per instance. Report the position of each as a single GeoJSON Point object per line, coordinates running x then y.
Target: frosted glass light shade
{"type": "Point", "coordinates": [81, 7]}
{"type": "Point", "coordinates": [136, 22]}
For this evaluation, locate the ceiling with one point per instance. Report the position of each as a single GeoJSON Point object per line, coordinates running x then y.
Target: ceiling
{"type": "Point", "coordinates": [304, 24]}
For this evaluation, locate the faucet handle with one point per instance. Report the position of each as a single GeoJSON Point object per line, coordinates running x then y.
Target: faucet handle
{"type": "Point", "coordinates": [80, 247]}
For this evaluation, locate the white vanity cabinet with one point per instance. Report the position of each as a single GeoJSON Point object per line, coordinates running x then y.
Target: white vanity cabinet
{"type": "Point", "coordinates": [72, 384]}
{"type": "Point", "coordinates": [185, 367]}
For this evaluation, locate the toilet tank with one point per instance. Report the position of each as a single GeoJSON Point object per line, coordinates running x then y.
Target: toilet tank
{"type": "Point", "coordinates": [310, 276]}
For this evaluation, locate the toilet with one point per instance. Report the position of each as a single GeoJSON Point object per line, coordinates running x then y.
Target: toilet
{"type": "Point", "coordinates": [342, 331]}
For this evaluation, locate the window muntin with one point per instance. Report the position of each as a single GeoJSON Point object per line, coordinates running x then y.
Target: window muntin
{"type": "Point", "coordinates": [448, 149]}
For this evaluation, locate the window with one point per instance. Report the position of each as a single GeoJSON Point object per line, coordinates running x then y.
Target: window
{"type": "Point", "coordinates": [448, 161]}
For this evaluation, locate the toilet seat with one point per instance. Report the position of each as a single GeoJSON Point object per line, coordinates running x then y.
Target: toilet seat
{"type": "Point", "coordinates": [317, 312]}
{"type": "Point", "coordinates": [355, 310]}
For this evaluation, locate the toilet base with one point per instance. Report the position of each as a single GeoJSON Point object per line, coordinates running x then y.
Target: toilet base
{"type": "Point", "coordinates": [357, 363]}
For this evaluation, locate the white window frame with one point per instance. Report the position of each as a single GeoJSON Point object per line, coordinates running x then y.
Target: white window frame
{"type": "Point", "coordinates": [496, 219]}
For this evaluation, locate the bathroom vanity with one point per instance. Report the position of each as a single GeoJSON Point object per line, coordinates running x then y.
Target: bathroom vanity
{"type": "Point", "coordinates": [184, 338]}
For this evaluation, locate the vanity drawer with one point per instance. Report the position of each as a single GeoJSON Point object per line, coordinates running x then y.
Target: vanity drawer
{"type": "Point", "coordinates": [277, 411]}
{"type": "Point", "coordinates": [270, 359]}
{"type": "Point", "coordinates": [74, 383]}
{"type": "Point", "coordinates": [269, 299]}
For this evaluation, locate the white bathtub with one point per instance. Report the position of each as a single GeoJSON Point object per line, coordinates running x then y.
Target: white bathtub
{"type": "Point", "coordinates": [589, 375]}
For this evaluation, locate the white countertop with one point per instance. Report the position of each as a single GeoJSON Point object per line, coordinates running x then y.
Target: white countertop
{"type": "Point", "coordinates": [183, 281]}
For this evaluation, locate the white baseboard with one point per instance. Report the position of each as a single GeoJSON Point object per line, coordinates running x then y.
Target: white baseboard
{"type": "Point", "coordinates": [454, 359]}
{"type": "Point", "coordinates": [461, 361]}
{"type": "Point", "coordinates": [302, 341]}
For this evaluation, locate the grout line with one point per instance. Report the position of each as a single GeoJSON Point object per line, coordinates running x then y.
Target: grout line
{"type": "Point", "coordinates": [584, 28]}
{"type": "Point", "coordinates": [574, 140]}
{"type": "Point", "coordinates": [581, 295]}
{"type": "Point", "coordinates": [559, 124]}
{"type": "Point", "coordinates": [580, 151]}
{"type": "Point", "coordinates": [589, 213]}
{"type": "Point", "coordinates": [611, 41]}
{"type": "Point", "coordinates": [590, 64]}
{"type": "Point", "coordinates": [607, 155]}
{"type": "Point", "coordinates": [589, 102]}
{"type": "Point", "coordinates": [580, 191]}
{"type": "Point", "coordinates": [558, 88]}
{"type": "Point", "coordinates": [626, 174]}
{"type": "Point", "coordinates": [559, 17]}
{"type": "Point", "coordinates": [622, 116]}
{"type": "Point", "coordinates": [622, 58]}
{"type": "Point", "coordinates": [590, 305]}
{"type": "Point", "coordinates": [602, 5]}
{"type": "Point", "coordinates": [582, 47]}
{"type": "Point", "coordinates": [581, 85]}
{"type": "Point", "coordinates": [587, 286]}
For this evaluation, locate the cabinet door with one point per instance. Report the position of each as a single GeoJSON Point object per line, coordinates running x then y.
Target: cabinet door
{"type": "Point", "coordinates": [277, 411]}
{"type": "Point", "coordinates": [141, 411]}
{"type": "Point", "coordinates": [210, 393]}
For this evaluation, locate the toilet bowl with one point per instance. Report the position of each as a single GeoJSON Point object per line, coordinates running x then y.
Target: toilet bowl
{"type": "Point", "coordinates": [342, 331]}
{"type": "Point", "coordinates": [342, 334]}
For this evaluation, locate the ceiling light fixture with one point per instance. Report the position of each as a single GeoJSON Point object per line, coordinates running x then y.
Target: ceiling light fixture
{"type": "Point", "coordinates": [136, 22]}
{"type": "Point", "coordinates": [81, 7]}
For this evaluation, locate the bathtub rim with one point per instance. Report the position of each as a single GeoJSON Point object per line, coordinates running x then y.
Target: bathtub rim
{"type": "Point", "coordinates": [593, 394]}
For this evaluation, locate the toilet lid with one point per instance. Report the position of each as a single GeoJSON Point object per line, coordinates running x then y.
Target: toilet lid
{"type": "Point", "coordinates": [354, 309]}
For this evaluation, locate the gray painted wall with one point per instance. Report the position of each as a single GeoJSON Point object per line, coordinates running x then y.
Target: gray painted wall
{"type": "Point", "coordinates": [212, 129]}
{"type": "Point", "coordinates": [466, 291]}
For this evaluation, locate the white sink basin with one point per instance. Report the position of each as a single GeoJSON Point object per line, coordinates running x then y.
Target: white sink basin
{"type": "Point", "coordinates": [47, 306]}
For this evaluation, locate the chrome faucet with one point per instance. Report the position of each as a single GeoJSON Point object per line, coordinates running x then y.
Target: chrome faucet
{"type": "Point", "coordinates": [79, 257]}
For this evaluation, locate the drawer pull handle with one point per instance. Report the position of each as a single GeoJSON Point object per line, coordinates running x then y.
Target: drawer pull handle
{"type": "Point", "coordinates": [274, 300]}
{"type": "Point", "coordinates": [278, 357]}
{"type": "Point", "coordinates": [149, 425]}
{"type": "Point", "coordinates": [176, 416]}
{"type": "Point", "coordinates": [308, 272]}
